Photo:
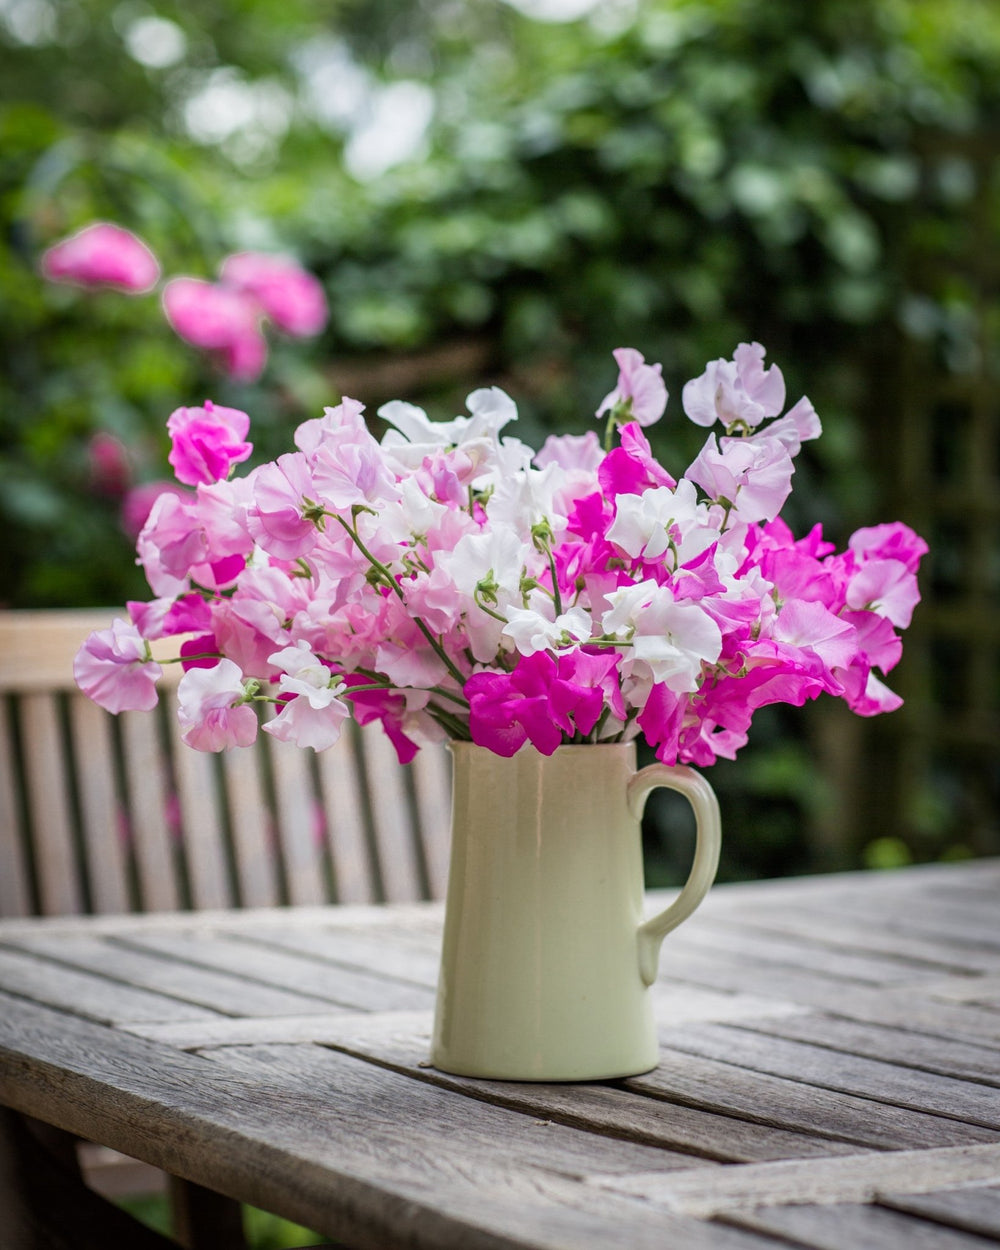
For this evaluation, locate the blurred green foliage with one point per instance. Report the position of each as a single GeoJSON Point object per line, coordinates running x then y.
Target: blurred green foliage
{"type": "Point", "coordinates": [675, 175]}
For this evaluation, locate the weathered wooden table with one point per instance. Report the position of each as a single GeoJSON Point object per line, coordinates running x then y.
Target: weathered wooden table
{"type": "Point", "coordinates": [829, 1076]}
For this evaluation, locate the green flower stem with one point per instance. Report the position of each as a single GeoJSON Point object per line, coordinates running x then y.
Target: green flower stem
{"type": "Point", "coordinates": [390, 581]}
{"type": "Point", "coordinates": [556, 596]}
{"type": "Point", "coordinates": [449, 722]}
{"type": "Point", "coordinates": [489, 611]}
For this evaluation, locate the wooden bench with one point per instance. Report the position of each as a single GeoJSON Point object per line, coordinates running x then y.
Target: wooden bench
{"type": "Point", "coordinates": [103, 814]}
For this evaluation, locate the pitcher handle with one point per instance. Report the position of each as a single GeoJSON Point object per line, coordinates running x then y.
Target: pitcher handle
{"type": "Point", "coordinates": [700, 795]}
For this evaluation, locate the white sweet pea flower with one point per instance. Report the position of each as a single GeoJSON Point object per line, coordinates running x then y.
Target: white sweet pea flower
{"type": "Point", "coordinates": [530, 631]}
{"type": "Point", "coordinates": [486, 568]}
{"type": "Point", "coordinates": [670, 638]}
{"type": "Point", "coordinates": [662, 520]}
{"type": "Point", "coordinates": [315, 717]}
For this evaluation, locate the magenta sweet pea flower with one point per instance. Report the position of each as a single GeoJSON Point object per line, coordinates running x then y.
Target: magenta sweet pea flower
{"type": "Point", "coordinates": [100, 255]}
{"type": "Point", "coordinates": [539, 701]}
{"type": "Point", "coordinates": [115, 669]}
{"type": "Point", "coordinates": [289, 296]}
{"type": "Point", "coordinates": [219, 319]}
{"type": "Point", "coordinates": [207, 442]}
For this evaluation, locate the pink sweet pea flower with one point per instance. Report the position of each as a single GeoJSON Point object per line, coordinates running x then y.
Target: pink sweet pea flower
{"type": "Point", "coordinates": [737, 392]}
{"type": "Point", "coordinates": [207, 442]}
{"type": "Point", "coordinates": [639, 385]}
{"type": "Point", "coordinates": [212, 711]}
{"type": "Point", "coordinates": [282, 491]}
{"type": "Point", "coordinates": [218, 319]}
{"type": "Point", "coordinates": [138, 504]}
{"type": "Point", "coordinates": [289, 296]}
{"type": "Point", "coordinates": [631, 468]}
{"type": "Point", "coordinates": [895, 541]}
{"type": "Point", "coordinates": [114, 668]}
{"type": "Point", "coordinates": [386, 707]}
{"type": "Point", "coordinates": [752, 477]}
{"type": "Point", "coordinates": [886, 587]}
{"type": "Point", "coordinates": [103, 254]}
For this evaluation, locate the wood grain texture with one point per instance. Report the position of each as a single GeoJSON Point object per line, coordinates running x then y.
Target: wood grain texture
{"type": "Point", "coordinates": [15, 878]}
{"type": "Point", "coordinates": [838, 1227]}
{"type": "Point", "coordinates": [971, 1210]}
{"type": "Point", "coordinates": [810, 1092]}
{"type": "Point", "coordinates": [148, 790]}
{"type": "Point", "coordinates": [47, 794]}
{"type": "Point", "coordinates": [706, 1193]}
{"type": "Point", "coordinates": [360, 1154]}
{"type": "Point", "coordinates": [102, 814]}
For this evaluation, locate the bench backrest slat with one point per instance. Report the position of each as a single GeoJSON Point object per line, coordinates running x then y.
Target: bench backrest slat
{"type": "Point", "coordinates": [111, 814]}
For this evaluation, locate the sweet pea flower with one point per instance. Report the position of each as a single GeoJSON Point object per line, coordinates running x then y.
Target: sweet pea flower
{"type": "Point", "coordinates": [889, 542]}
{"type": "Point", "coordinates": [138, 503]}
{"type": "Point", "coordinates": [662, 521]}
{"type": "Point", "coordinates": [283, 493]}
{"type": "Point", "coordinates": [750, 478]}
{"type": "Point", "coordinates": [115, 669]}
{"type": "Point", "coordinates": [640, 388]}
{"type": "Point", "coordinates": [212, 708]}
{"type": "Point", "coordinates": [739, 392]}
{"type": "Point", "coordinates": [571, 451]}
{"type": "Point", "coordinates": [290, 297]}
{"type": "Point", "coordinates": [100, 255]}
{"type": "Point", "coordinates": [530, 631]}
{"type": "Point", "coordinates": [219, 319]}
{"type": "Point", "coordinates": [670, 638]}
{"type": "Point", "coordinates": [364, 577]}
{"type": "Point", "coordinates": [314, 714]}
{"type": "Point", "coordinates": [537, 702]}
{"type": "Point", "coordinates": [886, 587]}
{"type": "Point", "coordinates": [631, 468]}
{"type": "Point", "coordinates": [207, 442]}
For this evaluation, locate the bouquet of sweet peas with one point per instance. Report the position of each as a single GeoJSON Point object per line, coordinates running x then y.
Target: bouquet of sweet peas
{"type": "Point", "coordinates": [450, 582]}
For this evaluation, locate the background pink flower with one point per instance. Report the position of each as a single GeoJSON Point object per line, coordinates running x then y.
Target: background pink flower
{"type": "Point", "coordinates": [103, 254]}
{"type": "Point", "coordinates": [219, 319]}
{"type": "Point", "coordinates": [289, 296]}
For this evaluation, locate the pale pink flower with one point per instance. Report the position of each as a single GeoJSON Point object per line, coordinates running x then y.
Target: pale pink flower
{"type": "Point", "coordinates": [138, 504]}
{"type": "Point", "coordinates": [750, 477]}
{"type": "Point", "coordinates": [639, 385]}
{"type": "Point", "coordinates": [220, 320]}
{"type": "Point", "coordinates": [737, 392]}
{"type": "Point", "coordinates": [670, 638]}
{"type": "Point", "coordinates": [314, 713]}
{"type": "Point", "coordinates": [571, 451]}
{"type": "Point", "coordinates": [115, 669]}
{"type": "Point", "coordinates": [207, 442]}
{"type": "Point", "coordinates": [212, 710]}
{"type": "Point", "coordinates": [103, 254]}
{"type": "Point", "coordinates": [886, 587]}
{"type": "Point", "coordinates": [283, 492]}
{"type": "Point", "coordinates": [289, 296]}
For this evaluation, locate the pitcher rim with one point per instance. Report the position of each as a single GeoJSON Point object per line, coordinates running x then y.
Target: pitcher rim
{"type": "Point", "coordinates": [460, 744]}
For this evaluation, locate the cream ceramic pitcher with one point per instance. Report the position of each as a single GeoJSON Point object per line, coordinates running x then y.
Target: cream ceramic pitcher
{"type": "Point", "coordinates": [547, 962]}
